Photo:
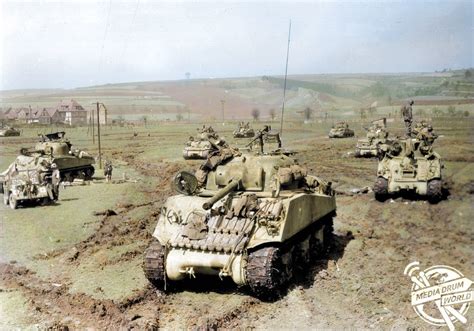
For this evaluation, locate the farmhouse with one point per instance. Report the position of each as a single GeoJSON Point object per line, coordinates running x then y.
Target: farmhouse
{"type": "Point", "coordinates": [72, 113]}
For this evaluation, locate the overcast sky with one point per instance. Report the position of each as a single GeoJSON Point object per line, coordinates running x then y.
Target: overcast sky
{"type": "Point", "coordinates": [68, 44]}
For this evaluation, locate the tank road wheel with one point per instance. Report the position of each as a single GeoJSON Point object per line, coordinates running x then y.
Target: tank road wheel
{"type": "Point", "coordinates": [12, 201]}
{"type": "Point", "coordinates": [88, 173]}
{"type": "Point", "coordinates": [154, 264]}
{"type": "Point", "coordinates": [435, 190]}
{"type": "Point", "coordinates": [267, 272]}
{"type": "Point", "coordinates": [381, 189]}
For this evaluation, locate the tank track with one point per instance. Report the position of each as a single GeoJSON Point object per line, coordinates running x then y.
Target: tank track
{"type": "Point", "coordinates": [270, 268]}
{"type": "Point", "coordinates": [435, 190]}
{"type": "Point", "coordinates": [154, 265]}
{"type": "Point", "coordinates": [381, 189]}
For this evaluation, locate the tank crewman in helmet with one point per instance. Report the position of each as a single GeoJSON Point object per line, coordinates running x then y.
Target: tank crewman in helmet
{"type": "Point", "coordinates": [407, 113]}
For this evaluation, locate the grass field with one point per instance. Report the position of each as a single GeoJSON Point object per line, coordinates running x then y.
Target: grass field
{"type": "Point", "coordinates": [63, 265]}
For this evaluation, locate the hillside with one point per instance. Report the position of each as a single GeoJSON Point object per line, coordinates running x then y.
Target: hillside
{"type": "Point", "coordinates": [204, 98]}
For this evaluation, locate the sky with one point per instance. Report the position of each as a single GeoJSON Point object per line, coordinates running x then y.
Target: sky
{"type": "Point", "coordinates": [67, 44]}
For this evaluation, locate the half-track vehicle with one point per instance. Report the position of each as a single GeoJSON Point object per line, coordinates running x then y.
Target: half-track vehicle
{"type": "Point", "coordinates": [201, 146]}
{"type": "Point", "coordinates": [27, 179]}
{"type": "Point", "coordinates": [72, 163]}
{"type": "Point", "coordinates": [8, 131]}
{"type": "Point", "coordinates": [256, 218]}
{"type": "Point", "coordinates": [341, 130]}
{"type": "Point", "coordinates": [244, 131]}
{"type": "Point", "coordinates": [377, 135]}
{"type": "Point", "coordinates": [410, 165]}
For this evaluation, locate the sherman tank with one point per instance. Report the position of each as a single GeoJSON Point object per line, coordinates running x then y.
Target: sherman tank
{"type": "Point", "coordinates": [9, 132]}
{"type": "Point", "coordinates": [377, 135]}
{"type": "Point", "coordinates": [254, 218]}
{"type": "Point", "coordinates": [72, 163]}
{"type": "Point", "coordinates": [28, 179]}
{"type": "Point", "coordinates": [410, 165]}
{"type": "Point", "coordinates": [202, 146]}
{"type": "Point", "coordinates": [244, 131]}
{"type": "Point", "coordinates": [341, 130]}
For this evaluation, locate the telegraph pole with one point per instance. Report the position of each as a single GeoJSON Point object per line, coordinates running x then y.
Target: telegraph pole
{"type": "Point", "coordinates": [98, 136]}
{"type": "Point", "coordinates": [284, 85]}
{"type": "Point", "coordinates": [93, 129]}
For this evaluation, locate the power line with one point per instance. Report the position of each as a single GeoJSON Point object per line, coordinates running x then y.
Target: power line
{"type": "Point", "coordinates": [105, 35]}
{"type": "Point", "coordinates": [284, 85]}
{"type": "Point", "coordinates": [127, 36]}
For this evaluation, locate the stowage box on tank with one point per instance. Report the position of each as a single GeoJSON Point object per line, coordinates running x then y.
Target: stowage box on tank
{"type": "Point", "coordinates": [254, 219]}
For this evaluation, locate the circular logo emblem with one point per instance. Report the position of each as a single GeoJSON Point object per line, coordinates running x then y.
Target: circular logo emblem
{"type": "Point", "coordinates": [440, 295]}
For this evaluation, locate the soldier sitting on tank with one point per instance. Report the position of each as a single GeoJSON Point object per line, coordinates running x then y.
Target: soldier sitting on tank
{"type": "Point", "coordinates": [426, 137]}
{"type": "Point", "coordinates": [222, 154]}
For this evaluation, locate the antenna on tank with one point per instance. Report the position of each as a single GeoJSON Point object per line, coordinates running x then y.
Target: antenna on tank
{"type": "Point", "coordinates": [284, 85]}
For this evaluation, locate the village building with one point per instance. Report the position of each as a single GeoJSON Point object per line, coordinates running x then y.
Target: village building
{"type": "Point", "coordinates": [72, 113]}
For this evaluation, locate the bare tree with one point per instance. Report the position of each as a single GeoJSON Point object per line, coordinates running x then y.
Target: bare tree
{"type": "Point", "coordinates": [255, 114]}
{"type": "Point", "coordinates": [144, 119]}
{"type": "Point", "coordinates": [272, 113]}
{"type": "Point", "coordinates": [308, 113]}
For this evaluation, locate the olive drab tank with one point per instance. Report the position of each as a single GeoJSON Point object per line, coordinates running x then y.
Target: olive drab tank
{"type": "Point", "coordinates": [28, 178]}
{"type": "Point", "coordinates": [244, 131]}
{"type": "Point", "coordinates": [201, 146]}
{"type": "Point", "coordinates": [410, 164]}
{"type": "Point", "coordinates": [377, 136]}
{"type": "Point", "coordinates": [9, 132]}
{"type": "Point", "coordinates": [253, 217]}
{"type": "Point", "coordinates": [341, 130]}
{"type": "Point", "coordinates": [72, 163]}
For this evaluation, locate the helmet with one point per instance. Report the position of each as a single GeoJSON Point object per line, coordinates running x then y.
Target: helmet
{"type": "Point", "coordinates": [412, 102]}
{"type": "Point", "coordinates": [54, 165]}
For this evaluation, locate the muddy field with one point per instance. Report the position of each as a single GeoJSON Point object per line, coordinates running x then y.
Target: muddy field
{"type": "Point", "coordinates": [77, 264]}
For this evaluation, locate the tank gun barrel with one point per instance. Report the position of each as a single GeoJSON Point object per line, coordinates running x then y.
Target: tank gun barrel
{"type": "Point", "coordinates": [234, 183]}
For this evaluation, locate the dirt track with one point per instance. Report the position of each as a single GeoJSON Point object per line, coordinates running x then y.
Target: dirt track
{"type": "Point", "coordinates": [360, 285]}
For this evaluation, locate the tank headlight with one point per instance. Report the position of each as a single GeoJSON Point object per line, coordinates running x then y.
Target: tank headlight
{"type": "Point", "coordinates": [172, 216]}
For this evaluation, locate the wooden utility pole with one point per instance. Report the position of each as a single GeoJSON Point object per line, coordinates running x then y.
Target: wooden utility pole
{"type": "Point", "coordinates": [98, 136]}
{"type": "Point", "coordinates": [93, 129]}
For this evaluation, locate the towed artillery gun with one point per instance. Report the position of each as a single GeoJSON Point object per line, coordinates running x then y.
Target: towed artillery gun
{"type": "Point", "coordinates": [244, 131]}
{"type": "Point", "coordinates": [255, 218]}
{"type": "Point", "coordinates": [341, 130]}
{"type": "Point", "coordinates": [9, 131]}
{"type": "Point", "coordinates": [202, 146]}
{"type": "Point", "coordinates": [27, 179]}
{"type": "Point", "coordinates": [410, 164]}
{"type": "Point", "coordinates": [72, 163]}
{"type": "Point", "coordinates": [377, 135]}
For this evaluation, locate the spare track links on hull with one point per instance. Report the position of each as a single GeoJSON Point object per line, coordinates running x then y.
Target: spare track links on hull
{"type": "Point", "coordinates": [269, 268]}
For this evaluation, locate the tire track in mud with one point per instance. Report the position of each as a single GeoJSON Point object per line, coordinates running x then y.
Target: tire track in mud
{"type": "Point", "coordinates": [51, 300]}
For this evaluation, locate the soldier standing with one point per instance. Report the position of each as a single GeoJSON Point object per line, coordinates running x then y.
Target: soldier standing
{"type": "Point", "coordinates": [55, 180]}
{"type": "Point", "coordinates": [407, 113]}
{"type": "Point", "coordinates": [108, 171]}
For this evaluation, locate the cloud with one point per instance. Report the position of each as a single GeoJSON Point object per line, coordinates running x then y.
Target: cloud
{"type": "Point", "coordinates": [69, 44]}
